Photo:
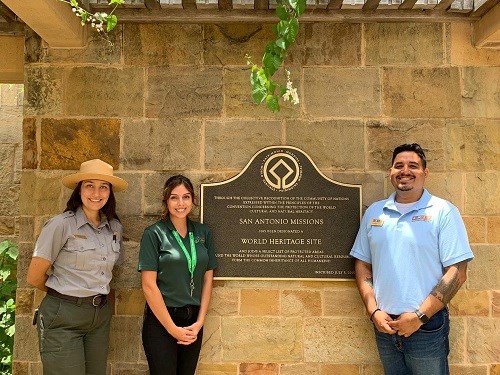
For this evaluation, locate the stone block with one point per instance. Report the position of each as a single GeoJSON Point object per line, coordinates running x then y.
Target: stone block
{"type": "Point", "coordinates": [227, 44]}
{"type": "Point", "coordinates": [416, 44]}
{"type": "Point", "coordinates": [421, 92]}
{"type": "Point", "coordinates": [152, 196]}
{"type": "Point", "coordinates": [66, 143]}
{"type": "Point", "coordinates": [129, 302]}
{"type": "Point", "coordinates": [331, 43]}
{"type": "Point", "coordinates": [162, 44]}
{"type": "Point", "coordinates": [373, 184]}
{"type": "Point", "coordinates": [250, 136]}
{"type": "Point", "coordinates": [481, 193]}
{"type": "Point", "coordinates": [470, 302]}
{"type": "Point", "coordinates": [473, 145]}
{"type": "Point", "coordinates": [211, 348]}
{"type": "Point", "coordinates": [128, 203]}
{"type": "Point", "coordinates": [24, 301]}
{"type": "Point", "coordinates": [104, 91]}
{"type": "Point", "coordinates": [339, 369]}
{"type": "Point", "coordinates": [481, 92]}
{"type": "Point", "coordinates": [133, 226]}
{"type": "Point", "coordinates": [495, 369]}
{"type": "Point", "coordinates": [463, 51]}
{"type": "Point", "coordinates": [446, 185]}
{"type": "Point", "coordinates": [224, 301]}
{"type": "Point", "coordinates": [493, 229]}
{"type": "Point", "coordinates": [468, 370]}
{"type": "Point", "coordinates": [341, 92]}
{"type": "Point", "coordinates": [38, 193]}
{"type": "Point", "coordinates": [43, 91]}
{"type": "Point", "coordinates": [7, 157]}
{"type": "Point", "coordinates": [216, 368]}
{"type": "Point", "coordinates": [26, 340]}
{"type": "Point", "coordinates": [192, 91]}
{"type": "Point", "coordinates": [30, 147]}
{"type": "Point", "coordinates": [259, 369]}
{"type": "Point", "coordinates": [125, 275]}
{"type": "Point", "coordinates": [160, 145]}
{"type": "Point", "coordinates": [345, 303]}
{"type": "Point", "coordinates": [483, 272]}
{"type": "Point", "coordinates": [263, 340]}
{"type": "Point", "coordinates": [484, 345]}
{"type": "Point", "coordinates": [301, 303]}
{"type": "Point", "coordinates": [323, 335]}
{"type": "Point", "coordinates": [458, 339]}
{"type": "Point", "coordinates": [7, 225]}
{"type": "Point", "coordinates": [238, 101]}
{"type": "Point", "coordinates": [326, 142]}
{"type": "Point", "coordinates": [10, 197]}
{"type": "Point", "coordinates": [300, 369]}
{"type": "Point", "coordinates": [383, 136]}
{"type": "Point", "coordinates": [10, 119]}
{"type": "Point", "coordinates": [121, 368]}
{"type": "Point", "coordinates": [125, 342]}
{"type": "Point", "coordinates": [476, 228]}
{"type": "Point", "coordinates": [259, 302]}
{"type": "Point", "coordinates": [20, 368]}
{"type": "Point", "coordinates": [371, 370]}
{"type": "Point", "coordinates": [495, 303]}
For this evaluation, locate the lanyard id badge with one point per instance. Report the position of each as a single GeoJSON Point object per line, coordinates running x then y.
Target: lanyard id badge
{"type": "Point", "coordinates": [191, 258]}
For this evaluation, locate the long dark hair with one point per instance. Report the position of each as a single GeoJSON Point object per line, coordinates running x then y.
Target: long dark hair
{"type": "Point", "coordinates": [170, 185]}
{"type": "Point", "coordinates": [109, 209]}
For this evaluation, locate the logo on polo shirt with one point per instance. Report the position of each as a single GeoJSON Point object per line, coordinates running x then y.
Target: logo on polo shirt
{"type": "Point", "coordinates": [376, 222]}
{"type": "Point", "coordinates": [421, 218]}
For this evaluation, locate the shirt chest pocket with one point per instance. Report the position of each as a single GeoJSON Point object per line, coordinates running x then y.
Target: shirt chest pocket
{"type": "Point", "coordinates": [81, 252]}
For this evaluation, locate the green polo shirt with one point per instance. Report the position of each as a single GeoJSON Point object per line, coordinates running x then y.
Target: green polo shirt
{"type": "Point", "coordinates": [160, 252]}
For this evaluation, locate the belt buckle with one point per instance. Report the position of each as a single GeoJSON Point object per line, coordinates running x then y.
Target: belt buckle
{"type": "Point", "coordinates": [94, 300]}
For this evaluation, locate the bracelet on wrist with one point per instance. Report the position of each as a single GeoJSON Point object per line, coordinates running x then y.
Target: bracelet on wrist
{"type": "Point", "coordinates": [373, 313]}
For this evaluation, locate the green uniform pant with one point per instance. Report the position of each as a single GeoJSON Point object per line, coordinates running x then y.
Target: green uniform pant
{"type": "Point", "coordinates": [73, 338]}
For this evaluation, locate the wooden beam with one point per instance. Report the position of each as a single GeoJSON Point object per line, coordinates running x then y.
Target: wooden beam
{"type": "Point", "coordinates": [481, 7]}
{"type": "Point", "coordinates": [261, 16]}
{"type": "Point", "coordinates": [486, 31]}
{"type": "Point", "coordinates": [334, 4]}
{"type": "Point", "coordinates": [6, 13]}
{"type": "Point", "coordinates": [11, 59]}
{"type": "Point", "coordinates": [371, 4]}
{"type": "Point", "coordinates": [443, 4]}
{"type": "Point", "coordinates": [52, 20]}
{"type": "Point", "coordinates": [407, 4]}
{"type": "Point", "coordinates": [12, 28]}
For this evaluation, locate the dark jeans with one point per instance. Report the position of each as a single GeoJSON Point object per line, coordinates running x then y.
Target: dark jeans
{"type": "Point", "coordinates": [425, 352]}
{"type": "Point", "coordinates": [164, 355]}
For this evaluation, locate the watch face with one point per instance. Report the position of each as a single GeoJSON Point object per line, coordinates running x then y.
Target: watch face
{"type": "Point", "coordinates": [423, 318]}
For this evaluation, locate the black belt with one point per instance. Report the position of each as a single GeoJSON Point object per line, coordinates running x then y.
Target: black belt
{"type": "Point", "coordinates": [99, 300]}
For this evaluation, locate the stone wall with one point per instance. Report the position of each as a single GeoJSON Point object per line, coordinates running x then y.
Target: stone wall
{"type": "Point", "coordinates": [176, 98]}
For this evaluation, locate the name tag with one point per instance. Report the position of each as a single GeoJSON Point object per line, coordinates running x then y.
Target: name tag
{"type": "Point", "coordinates": [421, 218]}
{"type": "Point", "coordinates": [81, 236]}
{"type": "Point", "coordinates": [376, 222]}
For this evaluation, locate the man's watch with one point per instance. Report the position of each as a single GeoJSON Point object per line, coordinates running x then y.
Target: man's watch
{"type": "Point", "coordinates": [423, 318]}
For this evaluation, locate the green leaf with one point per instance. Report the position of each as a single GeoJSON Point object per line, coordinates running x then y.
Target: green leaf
{"type": "Point", "coordinates": [272, 103]}
{"type": "Point", "coordinates": [117, 2]}
{"type": "Point", "coordinates": [281, 43]}
{"type": "Point", "coordinates": [301, 7]}
{"type": "Point", "coordinates": [282, 28]}
{"type": "Point", "coordinates": [4, 245]}
{"type": "Point", "coordinates": [13, 252]}
{"type": "Point", "coordinates": [74, 3]}
{"type": "Point", "coordinates": [282, 13]}
{"type": "Point", "coordinates": [111, 22]}
{"type": "Point", "coordinates": [259, 82]}
{"type": "Point", "coordinates": [271, 62]}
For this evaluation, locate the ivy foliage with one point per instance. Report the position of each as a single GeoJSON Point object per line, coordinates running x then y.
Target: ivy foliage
{"type": "Point", "coordinates": [8, 283]}
{"type": "Point", "coordinates": [264, 89]}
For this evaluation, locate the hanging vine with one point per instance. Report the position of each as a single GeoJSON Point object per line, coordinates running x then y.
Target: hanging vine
{"type": "Point", "coordinates": [264, 88]}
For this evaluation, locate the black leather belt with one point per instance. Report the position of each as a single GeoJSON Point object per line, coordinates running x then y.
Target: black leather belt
{"type": "Point", "coordinates": [98, 300]}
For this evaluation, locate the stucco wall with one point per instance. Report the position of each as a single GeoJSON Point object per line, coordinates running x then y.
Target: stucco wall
{"type": "Point", "coordinates": [176, 98]}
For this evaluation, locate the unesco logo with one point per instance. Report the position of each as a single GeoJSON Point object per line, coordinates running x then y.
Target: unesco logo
{"type": "Point", "coordinates": [281, 171]}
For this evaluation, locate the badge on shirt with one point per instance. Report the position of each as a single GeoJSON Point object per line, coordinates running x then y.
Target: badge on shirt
{"type": "Point", "coordinates": [421, 218]}
{"type": "Point", "coordinates": [376, 222]}
{"type": "Point", "coordinates": [80, 236]}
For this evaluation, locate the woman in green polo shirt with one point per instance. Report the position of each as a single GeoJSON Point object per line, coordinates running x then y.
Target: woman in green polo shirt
{"type": "Point", "coordinates": [176, 261]}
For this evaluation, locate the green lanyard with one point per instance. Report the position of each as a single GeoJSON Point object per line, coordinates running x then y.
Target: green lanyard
{"type": "Point", "coordinates": [191, 260]}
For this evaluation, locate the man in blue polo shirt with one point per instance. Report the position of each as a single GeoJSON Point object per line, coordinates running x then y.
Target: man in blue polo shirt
{"type": "Point", "coordinates": [411, 258]}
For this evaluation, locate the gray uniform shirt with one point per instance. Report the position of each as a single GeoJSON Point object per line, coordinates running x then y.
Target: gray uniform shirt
{"type": "Point", "coordinates": [82, 257]}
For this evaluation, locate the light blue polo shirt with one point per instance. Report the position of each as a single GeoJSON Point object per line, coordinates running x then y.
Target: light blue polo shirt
{"type": "Point", "coordinates": [408, 252]}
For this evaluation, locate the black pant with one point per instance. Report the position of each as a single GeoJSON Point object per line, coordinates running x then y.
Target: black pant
{"type": "Point", "coordinates": [164, 355]}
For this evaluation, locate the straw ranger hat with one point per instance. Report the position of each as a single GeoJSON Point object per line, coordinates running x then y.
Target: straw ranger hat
{"type": "Point", "coordinates": [95, 169]}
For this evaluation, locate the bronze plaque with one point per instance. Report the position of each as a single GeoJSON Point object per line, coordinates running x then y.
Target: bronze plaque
{"type": "Point", "coordinates": [281, 218]}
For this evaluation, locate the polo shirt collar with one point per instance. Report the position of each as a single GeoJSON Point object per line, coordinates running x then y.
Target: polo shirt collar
{"type": "Point", "coordinates": [81, 219]}
{"type": "Point", "coordinates": [423, 202]}
{"type": "Point", "coordinates": [171, 227]}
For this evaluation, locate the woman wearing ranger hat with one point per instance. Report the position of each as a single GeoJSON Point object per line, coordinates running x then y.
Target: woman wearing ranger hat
{"type": "Point", "coordinates": [72, 261]}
